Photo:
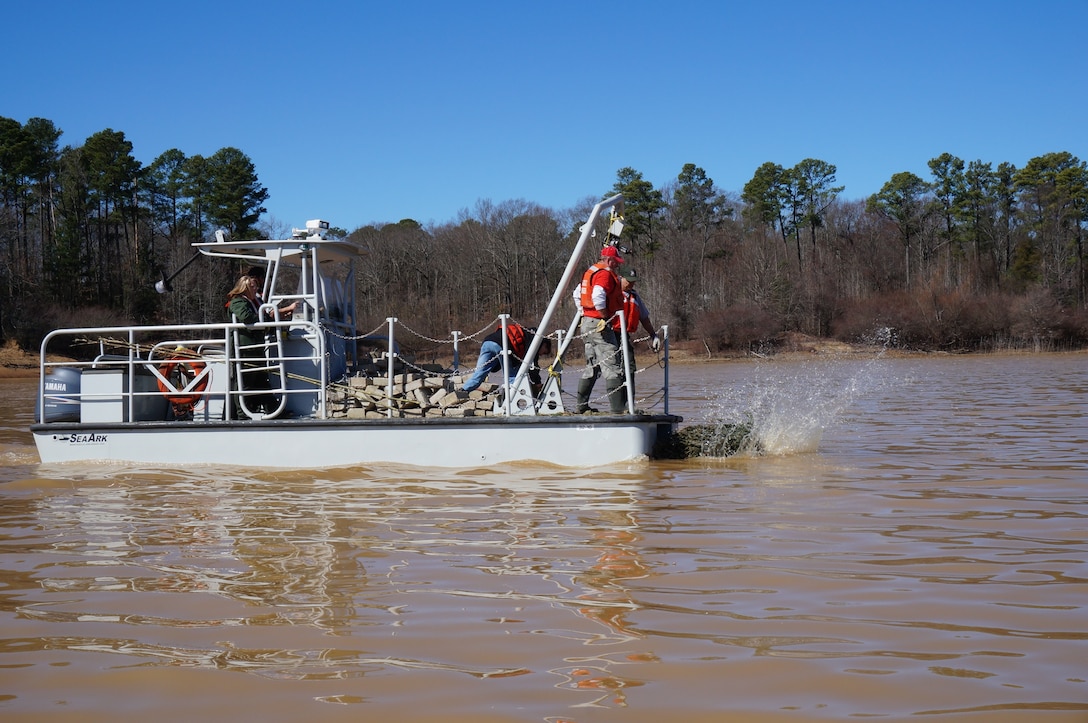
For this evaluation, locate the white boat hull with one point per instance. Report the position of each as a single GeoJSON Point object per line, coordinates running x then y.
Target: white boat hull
{"type": "Point", "coordinates": [568, 441]}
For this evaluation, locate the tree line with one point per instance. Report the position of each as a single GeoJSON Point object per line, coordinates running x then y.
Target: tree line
{"type": "Point", "coordinates": [976, 256]}
{"type": "Point", "coordinates": [84, 230]}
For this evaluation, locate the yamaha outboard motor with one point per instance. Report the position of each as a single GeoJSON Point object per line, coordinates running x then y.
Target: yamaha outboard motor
{"type": "Point", "coordinates": [61, 396]}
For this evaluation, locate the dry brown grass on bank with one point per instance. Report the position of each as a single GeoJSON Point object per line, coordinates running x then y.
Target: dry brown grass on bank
{"type": "Point", "coordinates": [793, 346]}
{"type": "Point", "coordinates": [788, 346]}
{"type": "Point", "coordinates": [16, 363]}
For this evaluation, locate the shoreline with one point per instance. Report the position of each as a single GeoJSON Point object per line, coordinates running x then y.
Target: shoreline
{"type": "Point", "coordinates": [18, 364]}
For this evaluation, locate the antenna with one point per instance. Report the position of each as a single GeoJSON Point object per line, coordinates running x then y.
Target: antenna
{"type": "Point", "coordinates": [162, 286]}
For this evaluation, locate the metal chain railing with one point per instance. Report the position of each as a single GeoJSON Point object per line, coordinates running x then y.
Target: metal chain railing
{"type": "Point", "coordinates": [328, 329]}
{"type": "Point", "coordinates": [653, 397]}
{"type": "Point", "coordinates": [380, 329]}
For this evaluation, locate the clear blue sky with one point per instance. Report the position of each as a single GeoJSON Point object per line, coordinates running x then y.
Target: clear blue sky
{"type": "Point", "coordinates": [362, 112]}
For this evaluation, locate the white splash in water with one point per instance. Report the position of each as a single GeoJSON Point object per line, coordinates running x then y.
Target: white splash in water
{"type": "Point", "coordinates": [790, 406]}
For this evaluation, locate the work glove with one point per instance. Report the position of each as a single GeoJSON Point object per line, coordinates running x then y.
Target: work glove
{"type": "Point", "coordinates": [655, 343]}
{"type": "Point", "coordinates": [601, 326]}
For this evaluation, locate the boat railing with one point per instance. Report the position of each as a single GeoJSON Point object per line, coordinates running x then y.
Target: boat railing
{"type": "Point", "coordinates": [518, 397]}
{"type": "Point", "coordinates": [130, 373]}
{"type": "Point", "coordinates": [134, 375]}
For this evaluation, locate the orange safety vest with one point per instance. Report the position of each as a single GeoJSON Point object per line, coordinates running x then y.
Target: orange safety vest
{"type": "Point", "coordinates": [613, 291]}
{"type": "Point", "coordinates": [515, 333]}
{"type": "Point", "coordinates": [631, 312]}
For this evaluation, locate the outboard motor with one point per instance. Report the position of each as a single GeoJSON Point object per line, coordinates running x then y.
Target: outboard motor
{"type": "Point", "coordinates": [61, 396]}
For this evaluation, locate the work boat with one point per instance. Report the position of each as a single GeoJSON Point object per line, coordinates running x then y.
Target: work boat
{"type": "Point", "coordinates": [178, 394]}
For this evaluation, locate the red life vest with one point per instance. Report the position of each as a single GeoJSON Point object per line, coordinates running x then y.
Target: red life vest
{"type": "Point", "coordinates": [515, 333]}
{"type": "Point", "coordinates": [631, 312]}
{"type": "Point", "coordinates": [611, 285]}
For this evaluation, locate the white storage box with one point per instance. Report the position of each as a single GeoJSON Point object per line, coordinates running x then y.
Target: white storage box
{"type": "Point", "coordinates": [104, 394]}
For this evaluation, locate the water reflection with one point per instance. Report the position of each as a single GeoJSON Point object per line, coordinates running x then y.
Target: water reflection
{"type": "Point", "coordinates": [336, 555]}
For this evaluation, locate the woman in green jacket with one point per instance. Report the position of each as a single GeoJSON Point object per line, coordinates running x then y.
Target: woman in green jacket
{"type": "Point", "coordinates": [243, 303]}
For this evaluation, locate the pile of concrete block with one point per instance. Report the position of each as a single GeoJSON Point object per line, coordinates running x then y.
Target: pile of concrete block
{"type": "Point", "coordinates": [413, 395]}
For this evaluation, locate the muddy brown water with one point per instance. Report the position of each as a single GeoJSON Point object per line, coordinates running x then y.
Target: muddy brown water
{"type": "Point", "coordinates": [912, 546]}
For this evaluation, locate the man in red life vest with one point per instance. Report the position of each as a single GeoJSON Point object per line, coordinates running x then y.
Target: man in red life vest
{"type": "Point", "coordinates": [601, 296]}
{"type": "Point", "coordinates": [519, 339]}
{"type": "Point", "coordinates": [635, 313]}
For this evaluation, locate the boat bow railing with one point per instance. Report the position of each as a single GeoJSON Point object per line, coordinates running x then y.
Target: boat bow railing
{"type": "Point", "coordinates": [132, 377]}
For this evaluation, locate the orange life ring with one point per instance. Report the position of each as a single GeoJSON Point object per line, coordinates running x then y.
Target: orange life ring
{"type": "Point", "coordinates": [189, 369]}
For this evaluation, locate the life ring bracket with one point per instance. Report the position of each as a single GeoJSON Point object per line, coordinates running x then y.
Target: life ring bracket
{"type": "Point", "coordinates": [194, 371]}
